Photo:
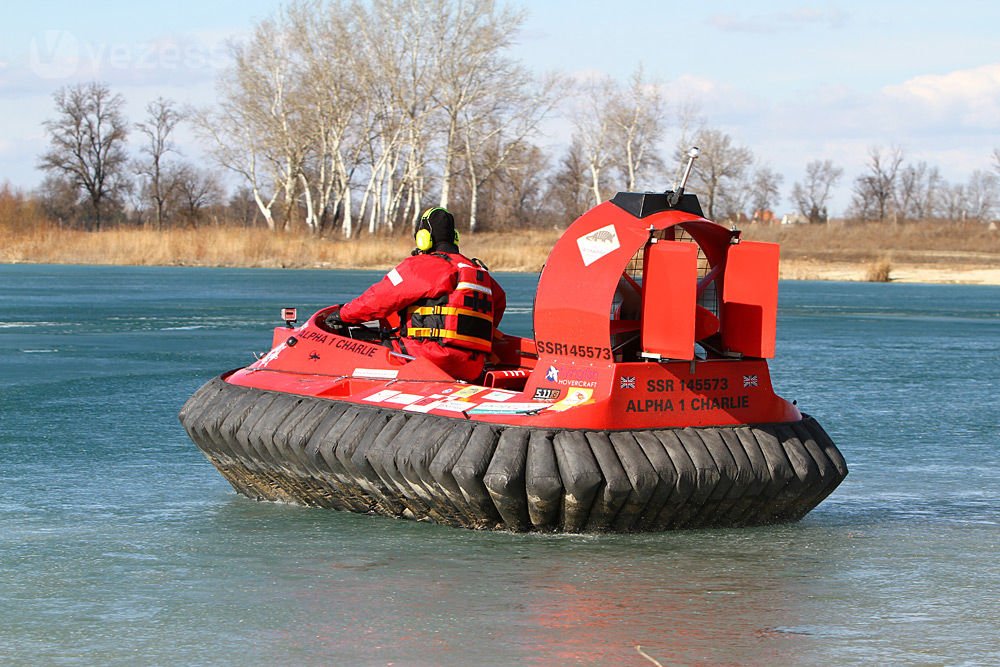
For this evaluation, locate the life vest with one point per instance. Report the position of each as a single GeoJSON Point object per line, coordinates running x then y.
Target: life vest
{"type": "Point", "coordinates": [462, 318]}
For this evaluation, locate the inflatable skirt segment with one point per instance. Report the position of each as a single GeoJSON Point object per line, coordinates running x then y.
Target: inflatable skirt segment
{"type": "Point", "coordinates": [316, 452]}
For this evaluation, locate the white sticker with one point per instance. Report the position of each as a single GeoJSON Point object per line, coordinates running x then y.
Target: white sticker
{"type": "Point", "coordinates": [375, 373]}
{"type": "Point", "coordinates": [422, 407]}
{"type": "Point", "coordinates": [467, 392]}
{"type": "Point", "coordinates": [394, 277]}
{"type": "Point", "coordinates": [455, 406]}
{"type": "Point", "coordinates": [438, 402]}
{"type": "Point", "coordinates": [380, 396]}
{"type": "Point", "coordinates": [597, 244]}
{"type": "Point", "coordinates": [404, 399]}
{"type": "Point", "coordinates": [499, 396]}
{"type": "Point", "coordinates": [508, 408]}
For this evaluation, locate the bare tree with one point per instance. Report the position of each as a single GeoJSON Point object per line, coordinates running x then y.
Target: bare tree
{"type": "Point", "coordinates": [950, 203]}
{"type": "Point", "coordinates": [496, 130]}
{"type": "Point", "coordinates": [336, 111]}
{"type": "Point", "coordinates": [512, 195]}
{"type": "Point", "coordinates": [400, 50]}
{"type": "Point", "coordinates": [916, 190]}
{"type": "Point", "coordinates": [637, 119]}
{"type": "Point", "coordinates": [568, 187]}
{"type": "Point", "coordinates": [162, 119]}
{"type": "Point", "coordinates": [469, 64]}
{"type": "Point", "coordinates": [87, 144]}
{"type": "Point", "coordinates": [719, 172]}
{"type": "Point", "coordinates": [812, 195]}
{"type": "Point", "coordinates": [242, 208]}
{"type": "Point", "coordinates": [439, 91]}
{"type": "Point", "coordinates": [765, 189]}
{"type": "Point", "coordinates": [874, 190]}
{"type": "Point", "coordinates": [519, 190]}
{"type": "Point", "coordinates": [60, 198]}
{"type": "Point", "coordinates": [294, 115]}
{"type": "Point", "coordinates": [333, 102]}
{"type": "Point", "coordinates": [266, 72]}
{"type": "Point", "coordinates": [619, 129]}
{"type": "Point", "coordinates": [194, 190]}
{"type": "Point", "coordinates": [593, 132]}
{"type": "Point", "coordinates": [256, 129]}
{"type": "Point", "coordinates": [982, 196]}
{"type": "Point", "coordinates": [236, 146]}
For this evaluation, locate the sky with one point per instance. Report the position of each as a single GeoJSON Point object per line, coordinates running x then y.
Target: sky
{"type": "Point", "coordinates": [794, 81]}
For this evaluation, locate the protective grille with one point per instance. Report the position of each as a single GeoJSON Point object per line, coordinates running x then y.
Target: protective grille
{"type": "Point", "coordinates": [709, 298]}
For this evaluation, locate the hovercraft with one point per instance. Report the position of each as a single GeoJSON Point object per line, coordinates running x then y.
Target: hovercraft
{"type": "Point", "coordinates": [643, 402]}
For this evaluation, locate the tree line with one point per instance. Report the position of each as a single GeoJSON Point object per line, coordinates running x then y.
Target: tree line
{"type": "Point", "coordinates": [92, 180]}
{"type": "Point", "coordinates": [346, 117]}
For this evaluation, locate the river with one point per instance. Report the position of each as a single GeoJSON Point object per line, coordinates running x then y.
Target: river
{"type": "Point", "coordinates": [121, 545]}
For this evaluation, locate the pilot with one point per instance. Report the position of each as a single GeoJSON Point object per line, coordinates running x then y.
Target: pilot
{"type": "Point", "coordinates": [448, 304]}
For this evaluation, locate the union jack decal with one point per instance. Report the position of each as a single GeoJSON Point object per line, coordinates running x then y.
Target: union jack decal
{"type": "Point", "coordinates": [750, 381]}
{"type": "Point", "coordinates": [626, 382]}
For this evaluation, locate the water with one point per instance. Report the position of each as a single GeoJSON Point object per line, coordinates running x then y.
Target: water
{"type": "Point", "coordinates": [121, 545]}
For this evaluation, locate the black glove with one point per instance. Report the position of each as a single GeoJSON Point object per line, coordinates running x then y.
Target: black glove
{"type": "Point", "coordinates": [333, 319]}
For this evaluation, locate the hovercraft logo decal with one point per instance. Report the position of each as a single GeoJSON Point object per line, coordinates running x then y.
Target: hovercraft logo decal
{"type": "Point", "coordinates": [552, 375]}
{"type": "Point", "coordinates": [597, 244]}
{"type": "Point", "coordinates": [580, 376]}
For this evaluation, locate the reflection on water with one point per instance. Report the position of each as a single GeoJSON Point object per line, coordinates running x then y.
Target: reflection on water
{"type": "Point", "coordinates": [120, 544]}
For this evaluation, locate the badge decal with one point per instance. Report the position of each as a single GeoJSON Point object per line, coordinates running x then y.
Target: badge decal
{"type": "Point", "coordinates": [597, 244]}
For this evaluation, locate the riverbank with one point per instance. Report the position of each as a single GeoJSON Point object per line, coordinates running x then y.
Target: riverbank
{"type": "Point", "coordinates": [966, 253]}
{"type": "Point", "coordinates": [959, 274]}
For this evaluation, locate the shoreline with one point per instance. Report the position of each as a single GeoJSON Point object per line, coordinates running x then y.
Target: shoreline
{"type": "Point", "coordinates": [943, 254]}
{"type": "Point", "coordinates": [797, 269]}
{"type": "Point", "coordinates": [789, 269]}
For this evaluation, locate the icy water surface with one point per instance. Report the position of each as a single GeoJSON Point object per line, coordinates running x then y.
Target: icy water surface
{"type": "Point", "coordinates": [121, 545]}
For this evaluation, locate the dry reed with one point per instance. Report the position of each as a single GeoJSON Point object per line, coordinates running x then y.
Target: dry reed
{"type": "Point", "coordinates": [237, 246]}
{"type": "Point", "coordinates": [916, 242]}
{"type": "Point", "coordinates": [26, 236]}
{"type": "Point", "coordinates": [879, 271]}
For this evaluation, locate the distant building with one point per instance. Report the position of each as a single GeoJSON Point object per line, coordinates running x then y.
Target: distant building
{"type": "Point", "coordinates": [794, 219]}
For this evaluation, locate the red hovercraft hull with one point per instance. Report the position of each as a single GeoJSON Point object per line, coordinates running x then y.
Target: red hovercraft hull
{"type": "Point", "coordinates": [643, 403]}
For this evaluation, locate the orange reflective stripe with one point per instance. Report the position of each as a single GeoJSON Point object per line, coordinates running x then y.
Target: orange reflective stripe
{"type": "Point", "coordinates": [448, 310]}
{"type": "Point", "coordinates": [478, 343]}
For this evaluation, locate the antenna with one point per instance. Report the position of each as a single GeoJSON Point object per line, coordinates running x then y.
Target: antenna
{"type": "Point", "coordinates": [692, 154]}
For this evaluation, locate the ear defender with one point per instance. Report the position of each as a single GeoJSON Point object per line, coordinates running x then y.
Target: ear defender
{"type": "Point", "coordinates": [423, 237]}
{"type": "Point", "coordinates": [424, 240]}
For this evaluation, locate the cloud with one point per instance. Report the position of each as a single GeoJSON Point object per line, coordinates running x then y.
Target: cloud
{"type": "Point", "coordinates": [949, 120]}
{"type": "Point", "coordinates": [967, 98]}
{"type": "Point", "coordinates": [716, 102]}
{"type": "Point", "coordinates": [55, 58]}
{"type": "Point", "coordinates": [785, 21]}
{"type": "Point", "coordinates": [961, 107]}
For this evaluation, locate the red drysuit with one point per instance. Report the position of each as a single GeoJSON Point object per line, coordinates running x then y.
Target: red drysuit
{"type": "Point", "coordinates": [415, 281]}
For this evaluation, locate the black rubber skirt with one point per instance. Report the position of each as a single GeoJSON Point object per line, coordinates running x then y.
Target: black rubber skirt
{"type": "Point", "coordinates": [326, 453]}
